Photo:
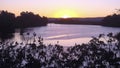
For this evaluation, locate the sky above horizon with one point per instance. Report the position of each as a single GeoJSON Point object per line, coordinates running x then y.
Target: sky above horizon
{"type": "Point", "coordinates": [62, 8]}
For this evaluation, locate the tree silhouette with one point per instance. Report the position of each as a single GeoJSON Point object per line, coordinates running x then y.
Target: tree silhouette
{"type": "Point", "coordinates": [7, 20]}
{"type": "Point", "coordinates": [26, 19]}
{"type": "Point", "coordinates": [112, 20]}
{"type": "Point", "coordinates": [29, 19]}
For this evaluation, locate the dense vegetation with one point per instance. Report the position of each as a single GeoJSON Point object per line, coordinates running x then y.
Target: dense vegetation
{"type": "Point", "coordinates": [29, 19]}
{"type": "Point", "coordinates": [7, 21]}
{"type": "Point", "coordinates": [26, 19]}
{"type": "Point", "coordinates": [100, 52]}
{"type": "Point", "coordinates": [112, 20]}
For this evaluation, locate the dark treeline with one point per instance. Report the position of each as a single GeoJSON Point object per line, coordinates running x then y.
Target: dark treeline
{"type": "Point", "coordinates": [112, 20]}
{"type": "Point", "coordinates": [83, 21]}
{"type": "Point", "coordinates": [9, 21]}
{"type": "Point", "coordinates": [29, 19]}
{"type": "Point", "coordinates": [101, 52]}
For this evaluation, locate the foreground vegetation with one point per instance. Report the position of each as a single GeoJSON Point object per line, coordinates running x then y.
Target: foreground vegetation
{"type": "Point", "coordinates": [100, 52]}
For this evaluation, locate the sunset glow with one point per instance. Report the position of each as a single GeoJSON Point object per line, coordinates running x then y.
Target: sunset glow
{"type": "Point", "coordinates": [62, 8]}
{"type": "Point", "coordinates": [65, 16]}
{"type": "Point", "coordinates": [63, 13]}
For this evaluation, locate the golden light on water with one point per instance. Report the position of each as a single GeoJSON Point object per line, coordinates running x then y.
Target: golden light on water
{"type": "Point", "coordinates": [65, 14]}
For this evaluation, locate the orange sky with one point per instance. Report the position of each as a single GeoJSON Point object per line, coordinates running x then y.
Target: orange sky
{"type": "Point", "coordinates": [62, 8]}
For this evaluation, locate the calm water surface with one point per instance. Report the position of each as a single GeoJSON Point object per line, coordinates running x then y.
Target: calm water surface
{"type": "Point", "coordinates": [67, 35]}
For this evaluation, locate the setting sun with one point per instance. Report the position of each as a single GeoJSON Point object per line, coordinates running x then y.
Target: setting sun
{"type": "Point", "coordinates": [65, 14]}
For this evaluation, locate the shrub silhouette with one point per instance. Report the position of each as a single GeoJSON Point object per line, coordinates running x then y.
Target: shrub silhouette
{"type": "Point", "coordinates": [96, 53]}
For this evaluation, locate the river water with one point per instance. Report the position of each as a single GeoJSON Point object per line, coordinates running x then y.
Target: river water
{"type": "Point", "coordinates": [67, 35]}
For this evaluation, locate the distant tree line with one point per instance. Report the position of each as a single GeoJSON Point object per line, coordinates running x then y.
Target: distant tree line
{"type": "Point", "coordinates": [112, 20]}
{"type": "Point", "coordinates": [9, 21]}
{"type": "Point", "coordinates": [83, 21]}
